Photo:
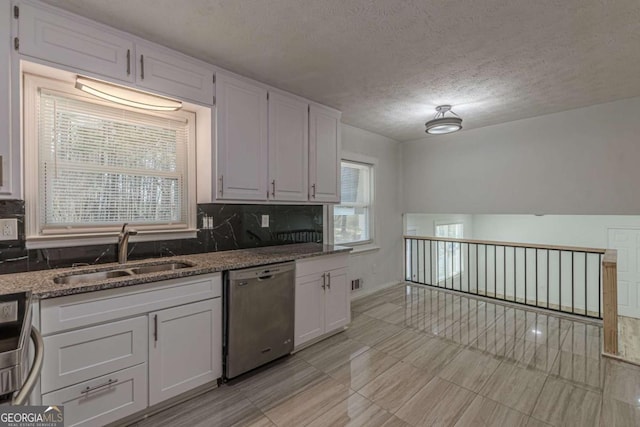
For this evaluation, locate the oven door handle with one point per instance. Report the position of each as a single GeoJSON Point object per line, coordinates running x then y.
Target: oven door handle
{"type": "Point", "coordinates": [34, 373]}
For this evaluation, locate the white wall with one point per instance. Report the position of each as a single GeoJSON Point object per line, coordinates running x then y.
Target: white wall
{"type": "Point", "coordinates": [583, 161]}
{"type": "Point", "coordinates": [424, 224]}
{"type": "Point", "coordinates": [382, 266]}
{"type": "Point", "coordinates": [568, 230]}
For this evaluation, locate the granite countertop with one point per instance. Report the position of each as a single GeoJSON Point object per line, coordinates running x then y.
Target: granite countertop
{"type": "Point", "coordinates": [42, 285]}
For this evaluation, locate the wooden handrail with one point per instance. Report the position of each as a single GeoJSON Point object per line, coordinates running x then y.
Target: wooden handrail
{"type": "Point", "coordinates": [610, 301]}
{"type": "Point", "coordinates": [511, 244]}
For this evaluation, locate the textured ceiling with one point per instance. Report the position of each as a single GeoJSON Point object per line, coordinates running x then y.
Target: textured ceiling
{"type": "Point", "coordinates": [387, 63]}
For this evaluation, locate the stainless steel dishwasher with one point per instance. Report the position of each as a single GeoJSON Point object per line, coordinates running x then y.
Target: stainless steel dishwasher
{"type": "Point", "coordinates": [259, 316]}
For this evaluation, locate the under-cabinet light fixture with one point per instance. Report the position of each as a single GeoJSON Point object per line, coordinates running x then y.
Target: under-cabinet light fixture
{"type": "Point", "coordinates": [125, 96]}
{"type": "Point", "coordinates": [441, 124]}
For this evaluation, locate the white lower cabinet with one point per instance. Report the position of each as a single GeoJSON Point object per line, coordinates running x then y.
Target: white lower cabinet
{"type": "Point", "coordinates": [102, 372]}
{"type": "Point", "coordinates": [184, 348]}
{"type": "Point", "coordinates": [104, 399]}
{"type": "Point", "coordinates": [322, 297]}
{"type": "Point", "coordinates": [72, 357]}
{"type": "Point", "coordinates": [309, 323]}
{"type": "Point", "coordinates": [337, 307]}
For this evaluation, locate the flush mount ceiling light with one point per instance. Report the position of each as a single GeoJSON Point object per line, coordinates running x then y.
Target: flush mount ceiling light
{"type": "Point", "coordinates": [125, 96]}
{"type": "Point", "coordinates": [440, 124]}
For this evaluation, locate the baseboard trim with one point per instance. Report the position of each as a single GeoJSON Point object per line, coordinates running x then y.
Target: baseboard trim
{"type": "Point", "coordinates": [620, 358]}
{"type": "Point", "coordinates": [318, 339]}
{"type": "Point", "coordinates": [366, 292]}
{"type": "Point", "coordinates": [162, 406]}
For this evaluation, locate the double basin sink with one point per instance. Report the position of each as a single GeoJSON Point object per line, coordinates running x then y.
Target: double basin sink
{"type": "Point", "coordinates": [119, 271]}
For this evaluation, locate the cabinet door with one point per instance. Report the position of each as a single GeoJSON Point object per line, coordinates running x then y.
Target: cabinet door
{"type": "Point", "coordinates": [5, 118]}
{"type": "Point", "coordinates": [173, 74]}
{"type": "Point", "coordinates": [324, 155]}
{"type": "Point", "coordinates": [288, 148]}
{"type": "Point", "coordinates": [309, 321]}
{"type": "Point", "coordinates": [242, 139]}
{"type": "Point", "coordinates": [74, 42]}
{"type": "Point", "coordinates": [185, 348]}
{"type": "Point", "coordinates": [337, 302]}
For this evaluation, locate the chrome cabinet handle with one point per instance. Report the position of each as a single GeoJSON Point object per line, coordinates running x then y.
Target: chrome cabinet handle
{"type": "Point", "coordinates": [273, 188]}
{"type": "Point", "coordinates": [329, 277]}
{"type": "Point", "coordinates": [313, 193]}
{"type": "Point", "coordinates": [155, 328]}
{"type": "Point", "coordinates": [142, 67]}
{"type": "Point", "coordinates": [108, 383]}
{"type": "Point", "coordinates": [128, 62]}
{"type": "Point", "coordinates": [324, 280]}
{"type": "Point", "coordinates": [221, 179]}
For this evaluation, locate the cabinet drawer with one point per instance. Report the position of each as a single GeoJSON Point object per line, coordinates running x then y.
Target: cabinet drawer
{"type": "Point", "coordinates": [80, 355]}
{"type": "Point", "coordinates": [76, 311]}
{"type": "Point", "coordinates": [320, 265]}
{"type": "Point", "coordinates": [102, 400]}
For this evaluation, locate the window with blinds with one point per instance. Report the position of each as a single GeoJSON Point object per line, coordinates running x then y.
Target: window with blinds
{"type": "Point", "coordinates": [101, 165]}
{"type": "Point", "coordinates": [352, 217]}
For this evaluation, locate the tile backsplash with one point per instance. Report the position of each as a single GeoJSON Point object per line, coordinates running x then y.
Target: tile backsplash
{"type": "Point", "coordinates": [220, 227]}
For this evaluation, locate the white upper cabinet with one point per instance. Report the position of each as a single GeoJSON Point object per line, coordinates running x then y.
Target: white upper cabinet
{"type": "Point", "coordinates": [324, 155]}
{"type": "Point", "coordinates": [84, 45]}
{"type": "Point", "coordinates": [74, 42]}
{"type": "Point", "coordinates": [5, 117]}
{"type": "Point", "coordinates": [167, 72]}
{"type": "Point", "coordinates": [241, 139]}
{"type": "Point", "coordinates": [288, 148]}
{"type": "Point", "coordinates": [278, 149]}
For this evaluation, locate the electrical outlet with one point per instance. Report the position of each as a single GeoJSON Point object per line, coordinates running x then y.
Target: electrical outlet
{"type": "Point", "coordinates": [9, 229]}
{"type": "Point", "coordinates": [265, 221]}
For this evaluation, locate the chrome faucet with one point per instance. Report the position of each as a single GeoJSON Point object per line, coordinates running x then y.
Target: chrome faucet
{"type": "Point", "coordinates": [123, 243]}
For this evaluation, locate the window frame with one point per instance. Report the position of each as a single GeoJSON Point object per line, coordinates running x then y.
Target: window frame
{"type": "Point", "coordinates": [35, 237]}
{"type": "Point", "coordinates": [460, 264]}
{"type": "Point", "coordinates": [372, 163]}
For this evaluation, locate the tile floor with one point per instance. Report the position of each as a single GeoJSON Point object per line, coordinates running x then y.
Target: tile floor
{"type": "Point", "coordinates": [416, 356]}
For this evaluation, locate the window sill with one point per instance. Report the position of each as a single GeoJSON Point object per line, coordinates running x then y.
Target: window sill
{"type": "Point", "coordinates": [43, 242]}
{"type": "Point", "coordinates": [364, 249]}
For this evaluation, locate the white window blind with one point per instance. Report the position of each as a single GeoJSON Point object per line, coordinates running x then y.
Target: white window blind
{"type": "Point", "coordinates": [352, 217]}
{"type": "Point", "coordinates": [101, 166]}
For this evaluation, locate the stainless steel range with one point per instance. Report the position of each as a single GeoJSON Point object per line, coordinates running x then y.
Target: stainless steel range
{"type": "Point", "coordinates": [259, 316]}
{"type": "Point", "coordinates": [17, 378]}
{"type": "Point", "coordinates": [15, 327]}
